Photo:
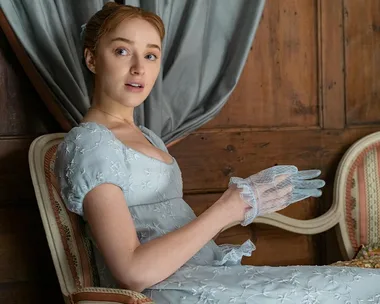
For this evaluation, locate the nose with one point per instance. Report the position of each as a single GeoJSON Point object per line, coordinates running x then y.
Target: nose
{"type": "Point", "coordinates": [137, 67]}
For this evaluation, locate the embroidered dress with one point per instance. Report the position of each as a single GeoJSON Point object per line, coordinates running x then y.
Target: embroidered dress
{"type": "Point", "coordinates": [91, 155]}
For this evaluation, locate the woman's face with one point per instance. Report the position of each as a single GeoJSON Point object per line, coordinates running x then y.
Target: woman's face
{"type": "Point", "coordinates": [127, 62]}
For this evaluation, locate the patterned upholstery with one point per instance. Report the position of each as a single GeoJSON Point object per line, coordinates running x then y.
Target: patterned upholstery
{"type": "Point", "coordinates": [367, 257]}
{"type": "Point", "coordinates": [362, 199]}
{"type": "Point", "coordinates": [78, 249]}
{"type": "Point", "coordinates": [71, 251]}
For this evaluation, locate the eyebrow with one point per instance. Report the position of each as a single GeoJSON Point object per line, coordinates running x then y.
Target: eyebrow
{"type": "Point", "coordinates": [149, 45]}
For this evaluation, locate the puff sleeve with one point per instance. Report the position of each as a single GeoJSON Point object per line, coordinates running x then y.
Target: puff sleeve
{"type": "Point", "coordinates": [85, 159]}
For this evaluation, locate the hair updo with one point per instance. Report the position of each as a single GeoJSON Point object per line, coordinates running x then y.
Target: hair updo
{"type": "Point", "coordinates": [109, 17]}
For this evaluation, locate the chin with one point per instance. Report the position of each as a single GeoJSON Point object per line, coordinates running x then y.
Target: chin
{"type": "Point", "coordinates": [132, 102]}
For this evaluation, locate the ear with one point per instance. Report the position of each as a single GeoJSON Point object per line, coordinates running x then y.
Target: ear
{"type": "Point", "coordinates": [89, 58]}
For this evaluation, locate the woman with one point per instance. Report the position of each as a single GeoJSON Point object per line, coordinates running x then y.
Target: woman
{"type": "Point", "coordinates": [122, 180]}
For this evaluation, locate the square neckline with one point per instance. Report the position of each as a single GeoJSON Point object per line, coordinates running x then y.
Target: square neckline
{"type": "Point", "coordinates": [145, 133]}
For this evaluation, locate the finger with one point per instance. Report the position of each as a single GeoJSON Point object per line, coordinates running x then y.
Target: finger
{"type": "Point", "coordinates": [262, 189]}
{"type": "Point", "coordinates": [283, 181]}
{"type": "Point", "coordinates": [299, 195]}
{"type": "Point", "coordinates": [307, 174]}
{"type": "Point", "coordinates": [296, 197]}
{"type": "Point", "coordinates": [271, 173]}
{"type": "Point", "coordinates": [273, 205]}
{"type": "Point", "coordinates": [284, 169]}
{"type": "Point", "coordinates": [277, 193]}
{"type": "Point", "coordinates": [309, 184]}
{"type": "Point", "coordinates": [282, 177]}
{"type": "Point", "coordinates": [309, 192]}
{"type": "Point", "coordinates": [276, 173]}
{"type": "Point", "coordinates": [234, 180]}
{"type": "Point", "coordinates": [284, 190]}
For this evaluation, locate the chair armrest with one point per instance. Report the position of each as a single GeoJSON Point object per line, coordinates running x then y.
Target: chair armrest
{"type": "Point", "coordinates": [92, 295]}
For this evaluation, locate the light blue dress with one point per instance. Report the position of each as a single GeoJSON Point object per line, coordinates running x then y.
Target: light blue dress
{"type": "Point", "coordinates": [91, 155]}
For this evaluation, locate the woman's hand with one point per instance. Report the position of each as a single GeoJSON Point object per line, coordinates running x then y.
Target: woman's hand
{"type": "Point", "coordinates": [233, 206]}
{"type": "Point", "coordinates": [276, 188]}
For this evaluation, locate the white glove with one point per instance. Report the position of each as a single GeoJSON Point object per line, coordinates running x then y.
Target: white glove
{"type": "Point", "coordinates": [275, 188]}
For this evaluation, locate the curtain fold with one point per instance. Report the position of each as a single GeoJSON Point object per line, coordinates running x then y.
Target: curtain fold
{"type": "Point", "coordinates": [205, 49]}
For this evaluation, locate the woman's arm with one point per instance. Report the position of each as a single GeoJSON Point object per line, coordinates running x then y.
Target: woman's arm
{"type": "Point", "coordinates": [138, 266]}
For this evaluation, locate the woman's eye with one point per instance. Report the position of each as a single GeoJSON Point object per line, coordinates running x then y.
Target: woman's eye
{"type": "Point", "coordinates": [151, 57]}
{"type": "Point", "coordinates": [122, 52]}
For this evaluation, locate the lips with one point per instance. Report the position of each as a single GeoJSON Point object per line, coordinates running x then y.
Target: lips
{"type": "Point", "coordinates": [135, 84]}
{"type": "Point", "coordinates": [134, 87]}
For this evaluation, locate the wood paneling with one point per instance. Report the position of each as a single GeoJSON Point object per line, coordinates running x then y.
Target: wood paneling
{"type": "Point", "coordinates": [270, 241]}
{"type": "Point", "coordinates": [15, 181]}
{"type": "Point", "coordinates": [261, 126]}
{"type": "Point", "coordinates": [362, 53]}
{"type": "Point", "coordinates": [208, 160]}
{"type": "Point", "coordinates": [276, 247]}
{"type": "Point", "coordinates": [23, 250]}
{"type": "Point", "coordinates": [278, 87]}
{"type": "Point", "coordinates": [331, 64]}
{"type": "Point", "coordinates": [30, 293]}
{"type": "Point", "coordinates": [27, 274]}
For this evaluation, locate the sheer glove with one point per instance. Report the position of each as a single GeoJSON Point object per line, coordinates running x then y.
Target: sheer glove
{"type": "Point", "coordinates": [276, 188]}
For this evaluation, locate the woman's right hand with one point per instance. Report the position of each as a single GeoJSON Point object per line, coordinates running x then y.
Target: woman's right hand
{"type": "Point", "coordinates": [233, 206]}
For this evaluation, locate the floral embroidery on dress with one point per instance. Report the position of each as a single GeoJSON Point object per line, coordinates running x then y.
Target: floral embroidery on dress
{"type": "Point", "coordinates": [90, 155]}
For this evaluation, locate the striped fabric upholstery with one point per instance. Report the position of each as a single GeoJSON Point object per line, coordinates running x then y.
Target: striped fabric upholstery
{"type": "Point", "coordinates": [77, 248]}
{"type": "Point", "coordinates": [363, 198]}
{"type": "Point", "coordinates": [77, 262]}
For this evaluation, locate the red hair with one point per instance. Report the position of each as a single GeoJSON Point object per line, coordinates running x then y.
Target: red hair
{"type": "Point", "coordinates": [108, 18]}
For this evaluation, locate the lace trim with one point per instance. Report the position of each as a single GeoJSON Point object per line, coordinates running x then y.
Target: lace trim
{"type": "Point", "coordinates": [248, 195]}
{"type": "Point", "coordinates": [232, 254]}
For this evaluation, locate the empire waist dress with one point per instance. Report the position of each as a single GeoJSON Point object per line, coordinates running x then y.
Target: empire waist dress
{"type": "Point", "coordinates": [90, 155]}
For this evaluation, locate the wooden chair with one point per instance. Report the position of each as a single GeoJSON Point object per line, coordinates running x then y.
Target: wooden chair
{"type": "Point", "coordinates": [355, 213]}
{"type": "Point", "coordinates": [71, 251]}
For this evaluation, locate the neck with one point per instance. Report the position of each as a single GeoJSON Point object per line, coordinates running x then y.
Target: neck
{"type": "Point", "coordinates": [114, 110]}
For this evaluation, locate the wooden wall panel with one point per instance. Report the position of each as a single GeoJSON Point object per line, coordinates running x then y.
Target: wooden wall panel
{"type": "Point", "coordinates": [279, 83]}
{"type": "Point", "coordinates": [29, 293]}
{"type": "Point", "coordinates": [270, 241]}
{"type": "Point", "coordinates": [27, 274]}
{"type": "Point", "coordinates": [331, 65]}
{"type": "Point", "coordinates": [306, 149]}
{"type": "Point", "coordinates": [258, 129]}
{"type": "Point", "coordinates": [15, 181]}
{"type": "Point", "coordinates": [362, 51]}
{"type": "Point", "coordinates": [23, 250]}
{"type": "Point", "coordinates": [209, 159]}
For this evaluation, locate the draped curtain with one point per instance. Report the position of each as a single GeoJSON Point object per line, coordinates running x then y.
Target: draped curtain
{"type": "Point", "coordinates": [204, 52]}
